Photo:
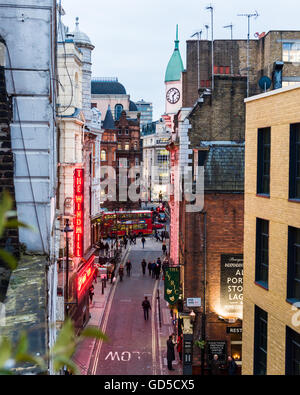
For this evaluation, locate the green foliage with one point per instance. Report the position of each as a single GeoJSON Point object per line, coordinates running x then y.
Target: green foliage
{"type": "Point", "coordinates": [200, 344]}
{"type": "Point", "coordinates": [61, 353]}
{"type": "Point", "coordinates": [8, 221]}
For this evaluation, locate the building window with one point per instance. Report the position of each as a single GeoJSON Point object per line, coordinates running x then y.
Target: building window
{"type": "Point", "coordinates": [260, 342]}
{"type": "Point", "coordinates": [127, 147]}
{"type": "Point", "coordinates": [293, 283]}
{"type": "Point", "coordinates": [137, 162]}
{"type": "Point", "coordinates": [262, 252]}
{"type": "Point", "coordinates": [118, 111]}
{"type": "Point", "coordinates": [263, 161]}
{"type": "Point", "coordinates": [291, 52]}
{"type": "Point", "coordinates": [120, 131]}
{"type": "Point", "coordinates": [103, 155]}
{"type": "Point", "coordinates": [127, 131]}
{"type": "Point", "coordinates": [295, 161]}
{"type": "Point", "coordinates": [292, 353]}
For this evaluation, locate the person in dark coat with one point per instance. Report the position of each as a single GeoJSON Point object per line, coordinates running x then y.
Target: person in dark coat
{"type": "Point", "coordinates": [150, 268]}
{"type": "Point", "coordinates": [215, 366]}
{"type": "Point", "coordinates": [153, 266]}
{"type": "Point", "coordinates": [146, 307]}
{"type": "Point", "coordinates": [231, 366]}
{"type": "Point", "coordinates": [144, 264]}
{"type": "Point", "coordinates": [143, 242]}
{"type": "Point", "coordinates": [170, 352]}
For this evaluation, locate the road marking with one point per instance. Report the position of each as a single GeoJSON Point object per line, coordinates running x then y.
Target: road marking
{"type": "Point", "coordinates": [103, 328]}
{"type": "Point", "coordinates": [153, 329]}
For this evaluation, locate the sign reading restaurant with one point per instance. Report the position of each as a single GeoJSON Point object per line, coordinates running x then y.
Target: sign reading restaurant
{"type": "Point", "coordinates": [232, 272]}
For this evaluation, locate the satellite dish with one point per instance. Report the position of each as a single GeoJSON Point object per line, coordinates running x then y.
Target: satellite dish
{"type": "Point", "coordinates": [265, 83]}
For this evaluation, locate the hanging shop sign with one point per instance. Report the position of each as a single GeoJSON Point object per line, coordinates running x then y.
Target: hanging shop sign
{"type": "Point", "coordinates": [232, 272]}
{"type": "Point", "coordinates": [193, 302]}
{"type": "Point", "coordinates": [85, 277]}
{"type": "Point", "coordinates": [172, 284]}
{"type": "Point", "coordinates": [78, 212]}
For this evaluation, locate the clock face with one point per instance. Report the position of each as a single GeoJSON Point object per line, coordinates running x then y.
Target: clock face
{"type": "Point", "coordinates": [173, 95]}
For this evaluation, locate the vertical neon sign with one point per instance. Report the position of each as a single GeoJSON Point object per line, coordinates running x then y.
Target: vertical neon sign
{"type": "Point", "coordinates": [78, 212]}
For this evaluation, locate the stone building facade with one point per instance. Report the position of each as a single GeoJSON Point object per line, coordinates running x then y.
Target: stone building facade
{"type": "Point", "coordinates": [271, 307]}
{"type": "Point", "coordinates": [31, 136]}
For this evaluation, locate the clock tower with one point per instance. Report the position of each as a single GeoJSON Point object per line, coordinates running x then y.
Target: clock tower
{"type": "Point", "coordinates": [173, 81]}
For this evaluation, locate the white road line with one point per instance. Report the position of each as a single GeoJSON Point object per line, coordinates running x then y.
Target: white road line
{"type": "Point", "coordinates": [159, 344]}
{"type": "Point", "coordinates": [103, 328]}
{"type": "Point", "coordinates": [153, 330]}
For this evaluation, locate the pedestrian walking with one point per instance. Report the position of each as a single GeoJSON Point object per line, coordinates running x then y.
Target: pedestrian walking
{"type": "Point", "coordinates": [150, 268]}
{"type": "Point", "coordinates": [164, 248]}
{"type": "Point", "coordinates": [121, 272]}
{"type": "Point", "coordinates": [91, 293]}
{"type": "Point", "coordinates": [157, 271]}
{"type": "Point", "coordinates": [146, 307]}
{"type": "Point", "coordinates": [143, 242]}
{"type": "Point", "coordinates": [153, 266]}
{"type": "Point", "coordinates": [179, 346]}
{"type": "Point", "coordinates": [170, 352]}
{"type": "Point", "coordinates": [134, 238]}
{"type": "Point", "coordinates": [144, 264]}
{"type": "Point", "coordinates": [231, 366]}
{"type": "Point", "coordinates": [128, 268]}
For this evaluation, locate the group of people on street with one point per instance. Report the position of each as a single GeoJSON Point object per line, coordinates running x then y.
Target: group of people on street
{"type": "Point", "coordinates": [171, 343]}
{"type": "Point", "coordinates": [154, 268]}
{"type": "Point", "coordinates": [215, 366]}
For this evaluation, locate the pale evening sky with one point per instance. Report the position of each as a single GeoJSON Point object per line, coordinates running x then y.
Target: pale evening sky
{"type": "Point", "coordinates": [134, 39]}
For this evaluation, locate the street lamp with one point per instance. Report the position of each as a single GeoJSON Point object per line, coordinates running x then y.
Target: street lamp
{"type": "Point", "coordinates": [67, 230]}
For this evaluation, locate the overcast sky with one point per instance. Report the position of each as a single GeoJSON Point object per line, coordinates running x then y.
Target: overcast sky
{"type": "Point", "coordinates": [134, 39]}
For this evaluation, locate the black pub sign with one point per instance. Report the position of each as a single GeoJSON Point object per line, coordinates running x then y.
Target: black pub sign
{"type": "Point", "coordinates": [232, 273]}
{"type": "Point", "coordinates": [218, 348]}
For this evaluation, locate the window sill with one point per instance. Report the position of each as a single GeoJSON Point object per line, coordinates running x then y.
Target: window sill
{"type": "Point", "coordinates": [294, 200]}
{"type": "Point", "coordinates": [262, 285]}
{"type": "Point", "coordinates": [293, 302]}
{"type": "Point", "coordinates": [262, 195]}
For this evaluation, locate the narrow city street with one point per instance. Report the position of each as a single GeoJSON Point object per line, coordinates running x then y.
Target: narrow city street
{"type": "Point", "coordinates": [136, 346]}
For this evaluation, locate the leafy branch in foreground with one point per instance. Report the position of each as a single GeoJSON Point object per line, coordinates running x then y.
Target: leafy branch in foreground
{"type": "Point", "coordinates": [8, 220]}
{"type": "Point", "coordinates": [61, 353]}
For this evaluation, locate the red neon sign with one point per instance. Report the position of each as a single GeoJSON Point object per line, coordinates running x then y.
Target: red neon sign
{"type": "Point", "coordinates": [78, 212]}
{"type": "Point", "coordinates": [85, 276]}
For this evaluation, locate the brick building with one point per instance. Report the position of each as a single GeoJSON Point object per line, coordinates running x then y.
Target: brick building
{"type": "Point", "coordinates": [271, 334]}
{"type": "Point", "coordinates": [121, 151]}
{"type": "Point", "coordinates": [230, 59]}
{"type": "Point", "coordinates": [215, 140]}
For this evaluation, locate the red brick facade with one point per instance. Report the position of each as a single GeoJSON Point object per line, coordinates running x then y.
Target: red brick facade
{"type": "Point", "coordinates": [224, 235]}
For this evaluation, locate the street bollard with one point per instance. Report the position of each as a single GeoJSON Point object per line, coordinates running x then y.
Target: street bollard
{"type": "Point", "coordinates": [102, 287]}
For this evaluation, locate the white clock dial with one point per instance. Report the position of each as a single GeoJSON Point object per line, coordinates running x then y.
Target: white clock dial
{"type": "Point", "coordinates": [173, 95]}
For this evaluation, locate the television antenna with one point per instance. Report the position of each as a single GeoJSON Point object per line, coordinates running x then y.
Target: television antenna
{"type": "Point", "coordinates": [249, 16]}
{"type": "Point", "coordinates": [211, 9]}
{"type": "Point", "coordinates": [231, 29]}
{"type": "Point", "coordinates": [198, 34]}
{"type": "Point", "coordinates": [207, 29]}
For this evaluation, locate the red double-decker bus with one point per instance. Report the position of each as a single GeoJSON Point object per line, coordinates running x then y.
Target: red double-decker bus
{"type": "Point", "coordinates": [123, 223]}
